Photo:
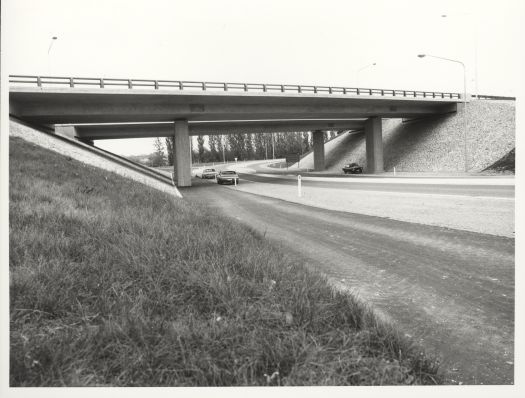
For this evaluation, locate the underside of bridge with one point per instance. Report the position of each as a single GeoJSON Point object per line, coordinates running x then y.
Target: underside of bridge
{"type": "Point", "coordinates": [94, 114]}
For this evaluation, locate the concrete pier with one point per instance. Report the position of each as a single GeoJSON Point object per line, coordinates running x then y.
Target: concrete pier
{"type": "Point", "coordinates": [182, 161]}
{"type": "Point", "coordinates": [374, 145]}
{"type": "Point", "coordinates": [318, 143]}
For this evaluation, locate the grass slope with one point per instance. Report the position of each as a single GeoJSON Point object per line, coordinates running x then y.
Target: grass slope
{"type": "Point", "coordinates": [112, 283]}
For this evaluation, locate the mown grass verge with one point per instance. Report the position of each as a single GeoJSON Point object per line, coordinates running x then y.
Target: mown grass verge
{"type": "Point", "coordinates": [113, 283]}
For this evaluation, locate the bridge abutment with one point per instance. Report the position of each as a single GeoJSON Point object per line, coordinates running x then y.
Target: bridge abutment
{"type": "Point", "coordinates": [182, 161]}
{"type": "Point", "coordinates": [66, 131]}
{"type": "Point", "coordinates": [318, 143]}
{"type": "Point", "coordinates": [374, 145]}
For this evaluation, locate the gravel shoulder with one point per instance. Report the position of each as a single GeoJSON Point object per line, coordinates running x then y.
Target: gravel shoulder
{"type": "Point", "coordinates": [494, 216]}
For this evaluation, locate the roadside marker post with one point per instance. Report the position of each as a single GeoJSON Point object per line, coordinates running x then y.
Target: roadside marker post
{"type": "Point", "coordinates": [299, 193]}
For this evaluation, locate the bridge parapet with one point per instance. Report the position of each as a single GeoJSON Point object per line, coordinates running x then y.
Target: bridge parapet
{"type": "Point", "coordinates": [137, 84]}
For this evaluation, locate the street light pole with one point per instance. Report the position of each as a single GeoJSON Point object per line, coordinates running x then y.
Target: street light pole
{"type": "Point", "coordinates": [51, 44]}
{"type": "Point", "coordinates": [359, 70]}
{"type": "Point", "coordinates": [474, 21]}
{"type": "Point", "coordinates": [48, 51]}
{"type": "Point", "coordinates": [464, 100]}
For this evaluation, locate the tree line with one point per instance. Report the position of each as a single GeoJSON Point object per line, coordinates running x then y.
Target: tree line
{"type": "Point", "coordinates": [240, 146]}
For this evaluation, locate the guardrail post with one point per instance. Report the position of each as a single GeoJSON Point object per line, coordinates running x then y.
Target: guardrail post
{"type": "Point", "coordinates": [203, 86]}
{"type": "Point", "coordinates": [299, 89]}
{"type": "Point", "coordinates": [404, 93]}
{"type": "Point", "coordinates": [156, 84]}
{"type": "Point", "coordinates": [225, 86]}
{"type": "Point", "coordinates": [370, 91]}
{"type": "Point", "coordinates": [329, 90]}
{"type": "Point", "coordinates": [315, 89]}
{"type": "Point", "coordinates": [357, 91]}
{"type": "Point", "coordinates": [282, 88]}
{"type": "Point", "coordinates": [264, 87]}
{"type": "Point", "coordinates": [102, 83]}
{"type": "Point", "coordinates": [245, 87]}
{"type": "Point", "coordinates": [71, 82]}
{"type": "Point", "coordinates": [130, 84]}
{"type": "Point", "coordinates": [180, 85]}
{"type": "Point", "coordinates": [39, 81]}
{"type": "Point", "coordinates": [344, 90]}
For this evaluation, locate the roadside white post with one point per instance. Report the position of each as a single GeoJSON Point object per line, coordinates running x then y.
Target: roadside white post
{"type": "Point", "coordinates": [235, 181]}
{"type": "Point", "coordinates": [299, 193]}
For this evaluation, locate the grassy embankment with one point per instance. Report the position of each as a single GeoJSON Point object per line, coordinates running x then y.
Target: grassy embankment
{"type": "Point", "coordinates": [113, 283]}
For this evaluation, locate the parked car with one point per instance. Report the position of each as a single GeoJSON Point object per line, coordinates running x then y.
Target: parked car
{"type": "Point", "coordinates": [227, 177]}
{"type": "Point", "coordinates": [352, 168]}
{"type": "Point", "coordinates": [208, 173]}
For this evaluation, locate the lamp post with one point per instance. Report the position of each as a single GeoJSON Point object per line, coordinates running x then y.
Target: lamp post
{"type": "Point", "coordinates": [474, 21]}
{"type": "Point", "coordinates": [359, 70]}
{"type": "Point", "coordinates": [53, 39]}
{"type": "Point", "coordinates": [464, 100]}
{"type": "Point", "coordinates": [51, 44]}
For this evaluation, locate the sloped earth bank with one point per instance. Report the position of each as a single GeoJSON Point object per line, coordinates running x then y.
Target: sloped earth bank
{"type": "Point", "coordinates": [451, 290]}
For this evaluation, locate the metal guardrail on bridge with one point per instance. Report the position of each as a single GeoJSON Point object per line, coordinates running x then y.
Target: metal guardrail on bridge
{"type": "Point", "coordinates": [46, 81]}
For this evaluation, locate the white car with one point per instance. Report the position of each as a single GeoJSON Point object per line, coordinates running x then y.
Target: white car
{"type": "Point", "coordinates": [206, 173]}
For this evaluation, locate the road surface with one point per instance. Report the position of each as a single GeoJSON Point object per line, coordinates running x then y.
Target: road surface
{"type": "Point", "coordinates": [499, 191]}
{"type": "Point", "coordinates": [451, 290]}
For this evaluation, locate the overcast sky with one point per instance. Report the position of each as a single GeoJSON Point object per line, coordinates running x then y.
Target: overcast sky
{"type": "Point", "coordinates": [295, 42]}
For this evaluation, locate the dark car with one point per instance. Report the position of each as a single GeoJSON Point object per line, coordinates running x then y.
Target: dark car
{"type": "Point", "coordinates": [352, 168]}
{"type": "Point", "coordinates": [227, 177]}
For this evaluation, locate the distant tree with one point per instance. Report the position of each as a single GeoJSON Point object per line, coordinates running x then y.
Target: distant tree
{"type": "Point", "coordinates": [221, 147]}
{"type": "Point", "coordinates": [170, 145]}
{"type": "Point", "coordinates": [237, 144]}
{"type": "Point", "coordinates": [250, 153]}
{"type": "Point", "coordinates": [259, 144]}
{"type": "Point", "coordinates": [200, 148]}
{"type": "Point", "coordinates": [213, 144]}
{"type": "Point", "coordinates": [306, 142]}
{"type": "Point", "coordinates": [157, 158]}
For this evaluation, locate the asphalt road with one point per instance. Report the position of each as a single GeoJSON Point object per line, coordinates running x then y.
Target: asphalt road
{"type": "Point", "coordinates": [451, 290]}
{"type": "Point", "coordinates": [500, 191]}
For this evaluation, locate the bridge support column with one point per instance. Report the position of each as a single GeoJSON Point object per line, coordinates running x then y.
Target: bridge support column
{"type": "Point", "coordinates": [182, 161]}
{"type": "Point", "coordinates": [318, 143]}
{"type": "Point", "coordinates": [374, 145]}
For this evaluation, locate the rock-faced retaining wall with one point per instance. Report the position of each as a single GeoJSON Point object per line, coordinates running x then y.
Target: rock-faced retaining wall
{"type": "Point", "coordinates": [434, 144]}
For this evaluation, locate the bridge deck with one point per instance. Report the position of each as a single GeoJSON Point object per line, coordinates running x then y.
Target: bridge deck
{"type": "Point", "coordinates": [43, 100]}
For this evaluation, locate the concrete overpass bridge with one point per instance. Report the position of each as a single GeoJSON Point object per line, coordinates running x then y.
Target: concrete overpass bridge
{"type": "Point", "coordinates": [181, 109]}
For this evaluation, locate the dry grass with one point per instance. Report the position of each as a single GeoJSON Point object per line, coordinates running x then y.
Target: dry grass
{"type": "Point", "coordinates": [113, 283]}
